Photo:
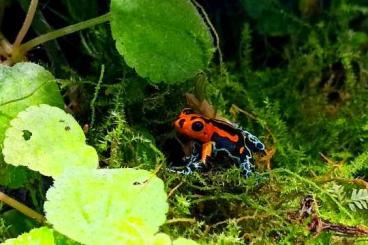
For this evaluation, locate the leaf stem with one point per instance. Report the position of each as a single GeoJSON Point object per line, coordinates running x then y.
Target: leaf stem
{"type": "Point", "coordinates": [22, 208]}
{"type": "Point", "coordinates": [5, 47]}
{"type": "Point", "coordinates": [26, 24]}
{"type": "Point", "coordinates": [63, 31]}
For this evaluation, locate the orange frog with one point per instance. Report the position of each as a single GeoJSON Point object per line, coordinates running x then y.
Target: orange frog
{"type": "Point", "coordinates": [214, 136]}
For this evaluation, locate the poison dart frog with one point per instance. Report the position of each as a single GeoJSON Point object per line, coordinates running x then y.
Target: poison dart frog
{"type": "Point", "coordinates": [214, 136]}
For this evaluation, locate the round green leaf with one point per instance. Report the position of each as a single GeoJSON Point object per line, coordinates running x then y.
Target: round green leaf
{"type": "Point", "coordinates": [184, 241]}
{"type": "Point", "coordinates": [164, 239]}
{"type": "Point", "coordinates": [48, 140]}
{"type": "Point", "coordinates": [161, 239]}
{"type": "Point", "coordinates": [39, 236]}
{"type": "Point", "coordinates": [23, 85]}
{"type": "Point", "coordinates": [164, 40]}
{"type": "Point", "coordinates": [107, 206]}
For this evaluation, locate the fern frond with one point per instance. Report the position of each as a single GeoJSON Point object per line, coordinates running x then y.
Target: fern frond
{"type": "Point", "coordinates": [359, 199]}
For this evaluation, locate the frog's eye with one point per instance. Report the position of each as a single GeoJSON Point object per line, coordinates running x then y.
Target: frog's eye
{"type": "Point", "coordinates": [197, 126]}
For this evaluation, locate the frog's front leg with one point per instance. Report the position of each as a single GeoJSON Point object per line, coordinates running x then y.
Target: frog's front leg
{"type": "Point", "coordinates": [193, 160]}
{"type": "Point", "coordinates": [207, 151]}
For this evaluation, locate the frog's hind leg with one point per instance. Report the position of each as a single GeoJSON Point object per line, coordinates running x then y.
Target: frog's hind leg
{"type": "Point", "coordinates": [245, 161]}
{"type": "Point", "coordinates": [253, 142]}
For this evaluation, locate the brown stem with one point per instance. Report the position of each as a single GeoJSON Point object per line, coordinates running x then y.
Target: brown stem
{"type": "Point", "coordinates": [5, 48]}
{"type": "Point", "coordinates": [26, 24]}
{"type": "Point", "coordinates": [317, 224]}
{"type": "Point", "coordinates": [174, 189]}
{"type": "Point", "coordinates": [22, 208]}
{"type": "Point", "coordinates": [181, 220]}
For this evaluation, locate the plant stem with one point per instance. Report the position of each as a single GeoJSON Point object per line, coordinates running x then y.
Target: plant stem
{"type": "Point", "coordinates": [217, 39]}
{"type": "Point", "coordinates": [26, 24]}
{"type": "Point", "coordinates": [22, 208]}
{"type": "Point", "coordinates": [5, 47]}
{"type": "Point", "coordinates": [63, 31]}
{"type": "Point", "coordinates": [93, 101]}
{"type": "Point", "coordinates": [181, 220]}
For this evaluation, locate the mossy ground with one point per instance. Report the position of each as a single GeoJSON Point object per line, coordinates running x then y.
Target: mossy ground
{"type": "Point", "coordinates": [295, 74]}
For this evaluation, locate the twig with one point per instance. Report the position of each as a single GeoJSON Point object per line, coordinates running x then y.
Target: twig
{"type": "Point", "coordinates": [213, 29]}
{"type": "Point", "coordinates": [22, 208]}
{"type": "Point", "coordinates": [181, 220]}
{"type": "Point", "coordinates": [174, 189]}
{"type": "Point", "coordinates": [317, 224]}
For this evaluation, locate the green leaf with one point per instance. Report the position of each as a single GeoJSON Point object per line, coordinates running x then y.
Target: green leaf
{"type": "Point", "coordinates": [60, 239]}
{"type": "Point", "coordinates": [13, 177]}
{"type": "Point", "coordinates": [39, 236]}
{"type": "Point", "coordinates": [161, 239]}
{"type": "Point", "coordinates": [164, 40]}
{"type": "Point", "coordinates": [22, 85]}
{"type": "Point", "coordinates": [107, 206]}
{"type": "Point", "coordinates": [184, 241]}
{"type": "Point", "coordinates": [280, 20]}
{"type": "Point", "coordinates": [48, 140]}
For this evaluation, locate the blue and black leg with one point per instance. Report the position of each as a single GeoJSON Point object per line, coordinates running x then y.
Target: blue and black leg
{"type": "Point", "coordinates": [193, 161]}
{"type": "Point", "coordinates": [253, 142]}
{"type": "Point", "coordinates": [245, 162]}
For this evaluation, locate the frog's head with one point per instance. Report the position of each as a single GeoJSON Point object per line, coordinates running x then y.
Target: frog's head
{"type": "Point", "coordinates": [193, 125]}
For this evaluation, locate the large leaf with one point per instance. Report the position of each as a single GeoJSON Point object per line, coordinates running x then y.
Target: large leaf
{"type": "Point", "coordinates": [39, 236]}
{"type": "Point", "coordinates": [164, 40]}
{"type": "Point", "coordinates": [48, 140]}
{"type": "Point", "coordinates": [107, 206]}
{"type": "Point", "coordinates": [164, 239]}
{"type": "Point", "coordinates": [22, 85]}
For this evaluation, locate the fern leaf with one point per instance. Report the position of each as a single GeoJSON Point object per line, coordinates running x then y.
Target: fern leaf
{"type": "Point", "coordinates": [359, 199]}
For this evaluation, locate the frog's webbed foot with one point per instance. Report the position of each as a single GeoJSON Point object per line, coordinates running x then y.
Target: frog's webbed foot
{"type": "Point", "coordinates": [194, 164]}
{"type": "Point", "coordinates": [188, 169]}
{"type": "Point", "coordinates": [193, 161]}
